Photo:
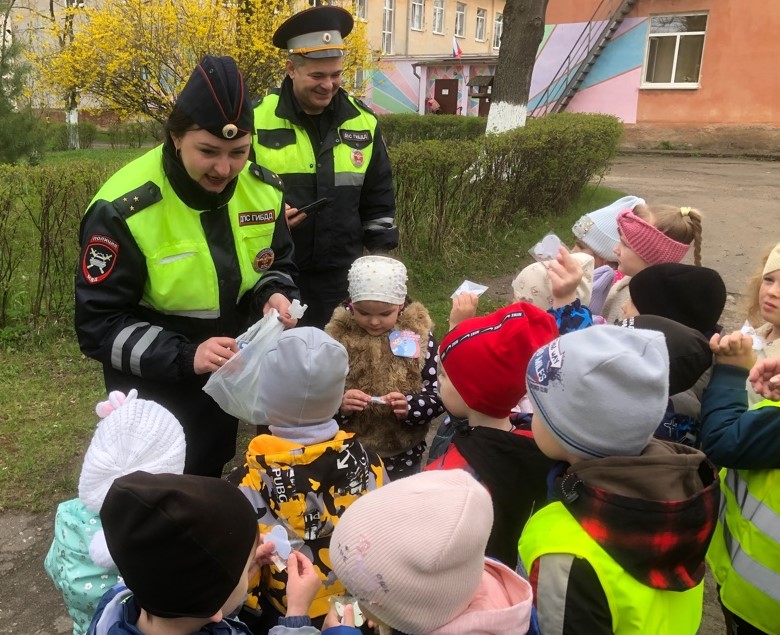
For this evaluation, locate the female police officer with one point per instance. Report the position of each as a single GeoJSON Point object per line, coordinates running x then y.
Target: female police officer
{"type": "Point", "coordinates": [180, 251]}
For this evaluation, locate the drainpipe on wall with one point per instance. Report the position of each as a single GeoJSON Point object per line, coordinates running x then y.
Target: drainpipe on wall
{"type": "Point", "coordinates": [420, 89]}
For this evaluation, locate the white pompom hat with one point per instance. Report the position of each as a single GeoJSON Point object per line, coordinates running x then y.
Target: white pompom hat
{"type": "Point", "coordinates": [135, 434]}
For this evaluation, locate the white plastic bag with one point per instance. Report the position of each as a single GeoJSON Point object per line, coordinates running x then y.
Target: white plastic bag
{"type": "Point", "coordinates": [235, 385]}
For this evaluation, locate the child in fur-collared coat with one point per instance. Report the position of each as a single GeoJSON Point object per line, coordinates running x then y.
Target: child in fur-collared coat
{"type": "Point", "coordinates": [391, 390]}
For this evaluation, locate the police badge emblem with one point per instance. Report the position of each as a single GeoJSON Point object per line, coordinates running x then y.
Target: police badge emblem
{"type": "Point", "coordinates": [263, 260]}
{"type": "Point", "coordinates": [357, 158]}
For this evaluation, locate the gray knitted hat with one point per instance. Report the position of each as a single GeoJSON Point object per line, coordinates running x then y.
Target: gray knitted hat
{"type": "Point", "coordinates": [601, 391]}
{"type": "Point", "coordinates": [303, 378]}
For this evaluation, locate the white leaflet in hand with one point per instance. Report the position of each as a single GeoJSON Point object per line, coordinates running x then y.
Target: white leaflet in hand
{"type": "Point", "coordinates": [297, 309]}
{"type": "Point", "coordinates": [547, 248]}
{"type": "Point", "coordinates": [282, 547]}
{"type": "Point", "coordinates": [467, 286]}
{"type": "Point", "coordinates": [758, 341]}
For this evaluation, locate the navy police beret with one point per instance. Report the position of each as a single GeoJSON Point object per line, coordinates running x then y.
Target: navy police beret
{"type": "Point", "coordinates": [316, 32]}
{"type": "Point", "coordinates": [217, 99]}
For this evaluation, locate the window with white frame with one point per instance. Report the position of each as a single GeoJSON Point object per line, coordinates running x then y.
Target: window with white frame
{"type": "Point", "coordinates": [417, 16]}
{"type": "Point", "coordinates": [360, 81]}
{"type": "Point", "coordinates": [360, 9]}
{"type": "Point", "coordinates": [674, 51]}
{"type": "Point", "coordinates": [479, 33]}
{"type": "Point", "coordinates": [498, 28]}
{"type": "Point", "coordinates": [387, 26]}
{"type": "Point", "coordinates": [438, 16]}
{"type": "Point", "coordinates": [460, 19]}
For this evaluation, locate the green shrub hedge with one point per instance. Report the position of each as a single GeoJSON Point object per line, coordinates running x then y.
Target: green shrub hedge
{"type": "Point", "coordinates": [451, 196]}
{"type": "Point", "coordinates": [455, 191]}
{"type": "Point", "coordinates": [40, 211]}
{"type": "Point", "coordinates": [413, 127]}
{"type": "Point", "coordinates": [58, 135]}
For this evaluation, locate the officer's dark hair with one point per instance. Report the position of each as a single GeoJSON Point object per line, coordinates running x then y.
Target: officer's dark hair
{"type": "Point", "coordinates": [179, 122]}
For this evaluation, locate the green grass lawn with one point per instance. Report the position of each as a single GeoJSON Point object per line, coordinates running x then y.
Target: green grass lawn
{"type": "Point", "coordinates": [48, 389]}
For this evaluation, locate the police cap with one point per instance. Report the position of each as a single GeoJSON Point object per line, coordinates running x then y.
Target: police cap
{"type": "Point", "coordinates": [216, 98]}
{"type": "Point", "coordinates": [316, 32]}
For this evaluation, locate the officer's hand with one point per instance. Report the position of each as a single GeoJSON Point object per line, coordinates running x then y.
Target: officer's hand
{"type": "Point", "coordinates": [212, 354]}
{"type": "Point", "coordinates": [293, 217]}
{"type": "Point", "coordinates": [282, 304]}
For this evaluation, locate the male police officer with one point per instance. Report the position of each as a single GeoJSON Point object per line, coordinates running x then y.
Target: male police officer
{"type": "Point", "coordinates": [327, 148]}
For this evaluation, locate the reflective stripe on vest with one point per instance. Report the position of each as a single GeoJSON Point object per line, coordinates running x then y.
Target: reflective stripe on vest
{"type": "Point", "coordinates": [635, 607]}
{"type": "Point", "coordinates": [745, 551]}
{"type": "Point", "coordinates": [182, 279]}
{"type": "Point", "coordinates": [286, 154]}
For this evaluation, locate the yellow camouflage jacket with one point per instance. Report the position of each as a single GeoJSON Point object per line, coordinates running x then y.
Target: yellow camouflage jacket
{"type": "Point", "coordinates": [305, 489]}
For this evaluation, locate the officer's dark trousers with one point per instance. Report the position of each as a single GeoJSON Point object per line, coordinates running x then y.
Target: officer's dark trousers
{"type": "Point", "coordinates": [210, 433]}
{"type": "Point", "coordinates": [323, 291]}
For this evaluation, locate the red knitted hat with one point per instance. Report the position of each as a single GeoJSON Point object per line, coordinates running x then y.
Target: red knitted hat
{"type": "Point", "coordinates": [484, 357]}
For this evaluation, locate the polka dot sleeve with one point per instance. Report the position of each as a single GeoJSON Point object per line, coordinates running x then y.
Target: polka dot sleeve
{"type": "Point", "coordinates": [426, 405]}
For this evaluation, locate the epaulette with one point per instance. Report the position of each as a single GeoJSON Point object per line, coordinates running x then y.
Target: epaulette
{"type": "Point", "coordinates": [364, 106]}
{"type": "Point", "coordinates": [259, 100]}
{"type": "Point", "coordinates": [272, 178]}
{"type": "Point", "coordinates": [139, 198]}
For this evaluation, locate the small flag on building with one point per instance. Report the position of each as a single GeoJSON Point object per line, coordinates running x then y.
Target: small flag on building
{"type": "Point", "coordinates": [456, 52]}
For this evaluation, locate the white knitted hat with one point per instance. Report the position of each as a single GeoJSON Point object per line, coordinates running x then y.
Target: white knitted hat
{"type": "Point", "coordinates": [135, 434]}
{"type": "Point", "coordinates": [533, 284]}
{"type": "Point", "coordinates": [377, 278]}
{"type": "Point", "coordinates": [598, 229]}
{"type": "Point", "coordinates": [412, 552]}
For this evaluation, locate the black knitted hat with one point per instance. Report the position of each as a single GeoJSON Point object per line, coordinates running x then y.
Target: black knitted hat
{"type": "Point", "coordinates": [694, 296]}
{"type": "Point", "coordinates": [216, 98]}
{"type": "Point", "coordinates": [689, 351]}
{"type": "Point", "coordinates": [180, 542]}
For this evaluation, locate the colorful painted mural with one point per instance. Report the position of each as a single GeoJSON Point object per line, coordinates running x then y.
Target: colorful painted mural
{"type": "Point", "coordinates": [394, 88]}
{"type": "Point", "coordinates": [611, 86]}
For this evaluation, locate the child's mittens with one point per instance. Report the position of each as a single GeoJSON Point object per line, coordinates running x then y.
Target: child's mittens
{"type": "Point", "coordinates": [98, 551]}
{"type": "Point", "coordinates": [115, 400]}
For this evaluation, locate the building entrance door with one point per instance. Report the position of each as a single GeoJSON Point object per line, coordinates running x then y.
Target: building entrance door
{"type": "Point", "coordinates": [445, 91]}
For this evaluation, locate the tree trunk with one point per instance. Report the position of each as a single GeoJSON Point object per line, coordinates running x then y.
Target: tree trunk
{"type": "Point", "coordinates": [523, 32]}
{"type": "Point", "coordinates": [72, 121]}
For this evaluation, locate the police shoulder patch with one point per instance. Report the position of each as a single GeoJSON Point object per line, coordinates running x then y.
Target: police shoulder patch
{"type": "Point", "coordinates": [264, 174]}
{"type": "Point", "coordinates": [99, 258]}
{"type": "Point", "coordinates": [138, 199]}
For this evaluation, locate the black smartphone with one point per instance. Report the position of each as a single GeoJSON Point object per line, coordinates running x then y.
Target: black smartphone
{"type": "Point", "coordinates": [311, 208]}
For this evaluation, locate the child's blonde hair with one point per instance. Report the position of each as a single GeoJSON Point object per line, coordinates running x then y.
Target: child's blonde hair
{"type": "Point", "coordinates": [750, 301]}
{"type": "Point", "coordinates": [682, 227]}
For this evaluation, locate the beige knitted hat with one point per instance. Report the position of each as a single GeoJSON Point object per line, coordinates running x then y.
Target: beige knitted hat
{"type": "Point", "coordinates": [532, 284]}
{"type": "Point", "coordinates": [773, 262]}
{"type": "Point", "coordinates": [412, 552]}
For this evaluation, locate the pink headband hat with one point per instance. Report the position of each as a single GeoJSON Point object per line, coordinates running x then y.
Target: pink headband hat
{"type": "Point", "coordinates": [649, 243]}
